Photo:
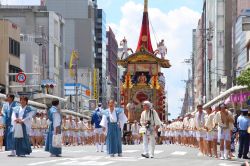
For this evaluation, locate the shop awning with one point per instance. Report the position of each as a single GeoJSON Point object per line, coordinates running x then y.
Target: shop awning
{"type": "Point", "coordinates": [224, 95]}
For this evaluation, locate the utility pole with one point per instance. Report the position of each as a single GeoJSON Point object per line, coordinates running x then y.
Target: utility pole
{"type": "Point", "coordinates": [7, 77]}
{"type": "Point", "coordinates": [209, 57]}
{"type": "Point", "coordinates": [190, 83]}
{"type": "Point", "coordinates": [43, 50]}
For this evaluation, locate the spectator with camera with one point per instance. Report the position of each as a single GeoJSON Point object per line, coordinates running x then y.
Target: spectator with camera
{"type": "Point", "coordinates": [150, 122]}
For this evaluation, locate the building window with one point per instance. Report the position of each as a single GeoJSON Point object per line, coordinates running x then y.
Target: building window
{"type": "Point", "coordinates": [56, 56]}
{"type": "Point", "coordinates": [14, 47]}
{"type": "Point", "coordinates": [56, 31]}
{"type": "Point", "coordinates": [13, 69]}
{"type": "Point", "coordinates": [99, 50]}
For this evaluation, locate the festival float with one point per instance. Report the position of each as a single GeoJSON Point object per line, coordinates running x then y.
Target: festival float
{"type": "Point", "coordinates": [143, 79]}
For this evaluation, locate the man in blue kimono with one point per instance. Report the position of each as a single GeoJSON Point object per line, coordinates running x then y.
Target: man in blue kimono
{"type": "Point", "coordinates": [7, 111]}
{"type": "Point", "coordinates": [98, 131]}
{"type": "Point", "coordinates": [55, 119]}
{"type": "Point", "coordinates": [21, 122]}
{"type": "Point", "coordinates": [113, 120]}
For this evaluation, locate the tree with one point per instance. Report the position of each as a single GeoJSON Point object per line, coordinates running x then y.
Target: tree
{"type": "Point", "coordinates": [244, 78]}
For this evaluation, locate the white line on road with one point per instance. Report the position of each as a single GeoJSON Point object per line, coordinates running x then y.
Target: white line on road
{"type": "Point", "coordinates": [224, 164]}
{"type": "Point", "coordinates": [91, 158]}
{"type": "Point", "coordinates": [76, 163]}
{"type": "Point", "coordinates": [74, 151]}
{"type": "Point", "coordinates": [46, 162]}
{"type": "Point", "coordinates": [179, 153]}
{"type": "Point", "coordinates": [158, 151]}
{"type": "Point", "coordinates": [130, 151]}
{"type": "Point", "coordinates": [122, 158]}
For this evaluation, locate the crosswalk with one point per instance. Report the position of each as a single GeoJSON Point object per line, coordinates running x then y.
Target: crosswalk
{"type": "Point", "coordinates": [86, 161]}
{"type": "Point", "coordinates": [96, 159]}
{"type": "Point", "coordinates": [87, 158]}
{"type": "Point", "coordinates": [102, 160]}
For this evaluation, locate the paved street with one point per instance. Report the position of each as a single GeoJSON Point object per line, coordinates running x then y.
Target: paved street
{"type": "Point", "coordinates": [171, 155]}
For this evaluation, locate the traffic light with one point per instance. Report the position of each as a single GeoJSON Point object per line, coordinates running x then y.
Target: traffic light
{"type": "Point", "coordinates": [47, 88]}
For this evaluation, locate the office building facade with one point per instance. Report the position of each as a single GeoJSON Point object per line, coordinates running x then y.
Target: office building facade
{"type": "Point", "coordinates": [10, 54]}
{"type": "Point", "coordinates": [47, 28]}
{"type": "Point", "coordinates": [101, 54]}
{"type": "Point", "coordinates": [112, 57]}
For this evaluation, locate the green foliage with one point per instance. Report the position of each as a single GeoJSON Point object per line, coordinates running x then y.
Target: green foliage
{"type": "Point", "coordinates": [244, 78]}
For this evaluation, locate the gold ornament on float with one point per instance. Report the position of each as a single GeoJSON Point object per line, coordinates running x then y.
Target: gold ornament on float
{"type": "Point", "coordinates": [128, 82]}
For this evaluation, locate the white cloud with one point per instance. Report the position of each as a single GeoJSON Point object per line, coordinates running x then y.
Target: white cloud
{"type": "Point", "coordinates": [175, 27]}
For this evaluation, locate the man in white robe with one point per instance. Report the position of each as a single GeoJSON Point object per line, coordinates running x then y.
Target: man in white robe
{"type": "Point", "coordinates": [151, 121]}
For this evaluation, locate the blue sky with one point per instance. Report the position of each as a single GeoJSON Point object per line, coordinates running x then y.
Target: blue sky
{"type": "Point", "coordinates": [165, 5]}
{"type": "Point", "coordinates": [172, 20]}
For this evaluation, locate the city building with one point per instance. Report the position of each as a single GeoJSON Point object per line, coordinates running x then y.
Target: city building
{"type": "Point", "coordinates": [10, 54]}
{"type": "Point", "coordinates": [239, 37]}
{"type": "Point", "coordinates": [112, 57]}
{"type": "Point", "coordinates": [187, 105]}
{"type": "Point", "coordinates": [29, 62]}
{"type": "Point", "coordinates": [199, 63]}
{"type": "Point", "coordinates": [101, 54]}
{"type": "Point", "coordinates": [241, 5]}
{"type": "Point", "coordinates": [218, 47]}
{"type": "Point", "coordinates": [79, 31]}
{"type": "Point", "coordinates": [242, 43]}
{"type": "Point", "coordinates": [194, 74]}
{"type": "Point", "coordinates": [47, 27]}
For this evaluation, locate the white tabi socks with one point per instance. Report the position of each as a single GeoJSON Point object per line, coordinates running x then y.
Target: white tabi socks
{"type": "Point", "coordinates": [222, 155]}
{"type": "Point", "coordinates": [97, 147]}
{"type": "Point", "coordinates": [12, 153]}
{"type": "Point", "coordinates": [102, 147]}
{"type": "Point", "coordinates": [226, 153]}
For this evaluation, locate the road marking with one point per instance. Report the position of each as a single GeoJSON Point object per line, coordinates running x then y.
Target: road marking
{"type": "Point", "coordinates": [91, 158]}
{"type": "Point", "coordinates": [122, 158]}
{"type": "Point", "coordinates": [76, 163]}
{"type": "Point", "coordinates": [224, 164]}
{"type": "Point", "coordinates": [130, 151]}
{"type": "Point", "coordinates": [46, 162]}
{"type": "Point", "coordinates": [179, 153]}
{"type": "Point", "coordinates": [74, 151]}
{"type": "Point", "coordinates": [158, 151]}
